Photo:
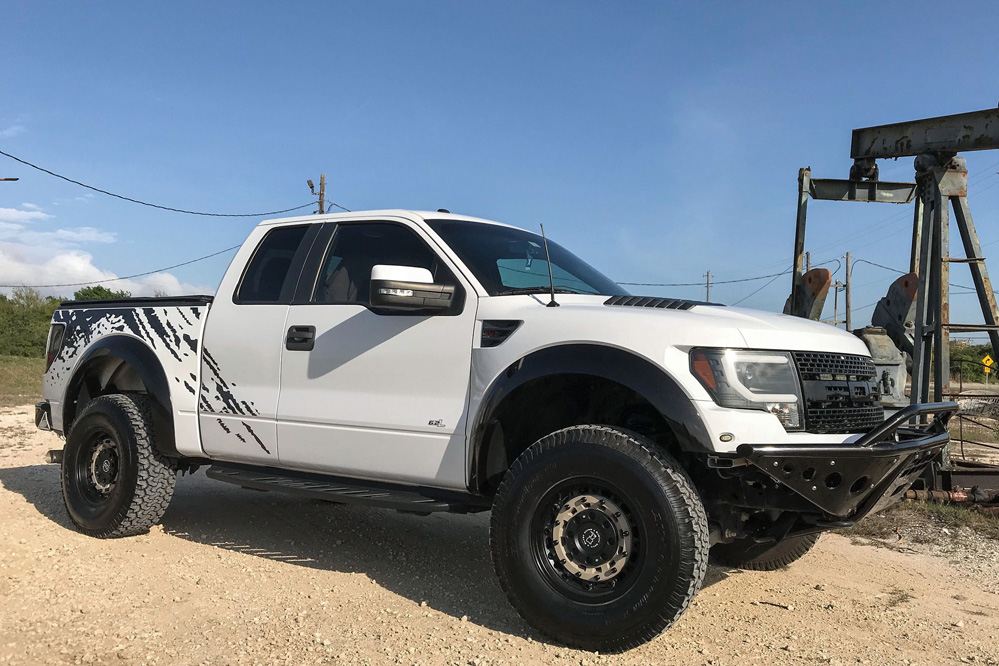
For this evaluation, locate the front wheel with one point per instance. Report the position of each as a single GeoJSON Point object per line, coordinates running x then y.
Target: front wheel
{"type": "Point", "coordinates": [598, 538]}
{"type": "Point", "coordinates": [114, 481]}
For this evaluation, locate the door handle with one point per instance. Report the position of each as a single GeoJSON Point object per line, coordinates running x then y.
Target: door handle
{"type": "Point", "coordinates": [300, 338]}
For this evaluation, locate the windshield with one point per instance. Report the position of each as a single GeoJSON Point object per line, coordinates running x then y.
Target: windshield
{"type": "Point", "coordinates": [512, 261]}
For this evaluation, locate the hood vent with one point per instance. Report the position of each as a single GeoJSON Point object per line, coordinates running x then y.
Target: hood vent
{"type": "Point", "coordinates": [495, 331]}
{"type": "Point", "coordinates": [659, 303]}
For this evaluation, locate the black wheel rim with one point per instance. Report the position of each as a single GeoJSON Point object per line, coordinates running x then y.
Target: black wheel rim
{"type": "Point", "coordinates": [587, 540]}
{"type": "Point", "coordinates": [97, 468]}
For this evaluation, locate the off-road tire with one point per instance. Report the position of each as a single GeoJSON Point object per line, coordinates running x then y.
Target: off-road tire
{"type": "Point", "coordinates": [144, 481]}
{"type": "Point", "coordinates": [669, 547]}
{"type": "Point", "coordinates": [746, 554]}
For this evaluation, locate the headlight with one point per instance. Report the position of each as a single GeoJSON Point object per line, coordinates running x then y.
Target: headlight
{"type": "Point", "coordinates": [751, 380]}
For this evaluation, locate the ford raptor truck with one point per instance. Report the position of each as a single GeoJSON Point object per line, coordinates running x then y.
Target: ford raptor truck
{"type": "Point", "coordinates": [430, 362]}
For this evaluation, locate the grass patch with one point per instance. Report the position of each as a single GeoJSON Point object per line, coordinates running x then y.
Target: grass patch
{"type": "Point", "coordinates": [20, 380]}
{"type": "Point", "coordinates": [898, 597]}
{"type": "Point", "coordinates": [923, 522]}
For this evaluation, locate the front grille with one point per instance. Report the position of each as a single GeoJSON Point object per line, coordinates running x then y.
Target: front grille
{"type": "Point", "coordinates": [813, 364]}
{"type": "Point", "coordinates": [843, 419]}
{"type": "Point", "coordinates": [841, 392]}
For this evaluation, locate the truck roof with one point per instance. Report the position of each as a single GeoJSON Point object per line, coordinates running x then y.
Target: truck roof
{"type": "Point", "coordinates": [388, 212]}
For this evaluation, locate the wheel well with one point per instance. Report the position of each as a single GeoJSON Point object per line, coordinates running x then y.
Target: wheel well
{"type": "Point", "coordinates": [107, 373]}
{"type": "Point", "coordinates": [546, 404]}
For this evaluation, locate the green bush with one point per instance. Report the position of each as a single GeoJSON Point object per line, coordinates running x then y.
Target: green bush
{"type": "Point", "coordinates": [966, 362]}
{"type": "Point", "coordinates": [24, 322]}
{"type": "Point", "coordinates": [98, 293]}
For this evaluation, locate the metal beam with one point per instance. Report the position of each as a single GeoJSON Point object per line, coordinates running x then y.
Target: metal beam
{"type": "Point", "coordinates": [804, 178]}
{"type": "Point", "coordinates": [979, 274]}
{"type": "Point", "coordinates": [977, 130]}
{"type": "Point", "coordinates": [832, 189]}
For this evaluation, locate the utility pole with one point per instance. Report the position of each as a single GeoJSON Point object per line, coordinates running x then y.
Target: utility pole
{"type": "Point", "coordinates": [9, 179]}
{"type": "Point", "coordinates": [707, 287]}
{"type": "Point", "coordinates": [808, 261]}
{"type": "Point", "coordinates": [322, 192]}
{"type": "Point", "coordinates": [849, 326]}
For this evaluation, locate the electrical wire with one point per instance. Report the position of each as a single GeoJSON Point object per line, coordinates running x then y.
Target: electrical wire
{"type": "Point", "coordinates": [125, 277]}
{"type": "Point", "coordinates": [152, 205]}
{"type": "Point", "coordinates": [698, 284]}
{"type": "Point", "coordinates": [763, 287]}
{"type": "Point", "coordinates": [865, 261]}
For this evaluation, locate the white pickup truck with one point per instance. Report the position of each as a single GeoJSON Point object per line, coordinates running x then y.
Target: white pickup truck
{"type": "Point", "coordinates": [434, 362]}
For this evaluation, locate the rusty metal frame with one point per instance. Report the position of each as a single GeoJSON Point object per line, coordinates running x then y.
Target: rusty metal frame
{"type": "Point", "coordinates": [962, 132]}
{"type": "Point", "coordinates": [941, 183]}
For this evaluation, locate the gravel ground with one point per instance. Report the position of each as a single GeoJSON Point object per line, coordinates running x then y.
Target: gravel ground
{"type": "Point", "coordinates": [240, 577]}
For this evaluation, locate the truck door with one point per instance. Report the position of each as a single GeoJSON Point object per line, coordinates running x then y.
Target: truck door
{"type": "Point", "coordinates": [375, 393]}
{"type": "Point", "coordinates": [244, 336]}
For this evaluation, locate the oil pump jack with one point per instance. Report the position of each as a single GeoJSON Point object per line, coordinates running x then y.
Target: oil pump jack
{"type": "Point", "coordinates": [910, 329]}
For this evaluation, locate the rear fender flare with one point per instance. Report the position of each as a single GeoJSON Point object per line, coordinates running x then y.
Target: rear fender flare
{"type": "Point", "coordinates": [125, 350]}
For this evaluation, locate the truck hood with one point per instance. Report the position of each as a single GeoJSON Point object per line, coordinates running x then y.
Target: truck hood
{"type": "Point", "coordinates": [685, 326]}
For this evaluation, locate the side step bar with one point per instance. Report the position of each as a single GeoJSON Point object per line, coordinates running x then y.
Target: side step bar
{"type": "Point", "coordinates": [413, 499]}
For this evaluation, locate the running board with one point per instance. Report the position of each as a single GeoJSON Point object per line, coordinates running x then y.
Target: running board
{"type": "Point", "coordinates": [348, 491]}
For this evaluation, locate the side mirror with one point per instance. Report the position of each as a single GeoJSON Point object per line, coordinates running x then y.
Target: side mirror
{"type": "Point", "coordinates": [408, 288]}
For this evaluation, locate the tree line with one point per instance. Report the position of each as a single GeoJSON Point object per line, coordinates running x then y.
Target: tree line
{"type": "Point", "coordinates": [25, 317]}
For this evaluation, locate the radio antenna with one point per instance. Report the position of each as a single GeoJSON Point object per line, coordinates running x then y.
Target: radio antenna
{"type": "Point", "coordinates": [548, 258]}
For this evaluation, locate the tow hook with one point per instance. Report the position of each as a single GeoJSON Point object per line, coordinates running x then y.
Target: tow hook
{"type": "Point", "coordinates": [54, 457]}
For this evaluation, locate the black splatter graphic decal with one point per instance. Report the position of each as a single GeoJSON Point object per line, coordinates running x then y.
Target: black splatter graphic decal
{"type": "Point", "coordinates": [172, 332]}
{"type": "Point", "coordinates": [218, 397]}
{"type": "Point", "coordinates": [221, 391]}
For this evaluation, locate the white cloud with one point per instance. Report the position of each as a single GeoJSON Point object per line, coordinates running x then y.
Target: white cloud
{"type": "Point", "coordinates": [25, 265]}
{"type": "Point", "coordinates": [18, 216]}
{"type": "Point", "coordinates": [63, 237]}
{"type": "Point", "coordinates": [14, 228]}
{"type": "Point", "coordinates": [31, 256]}
{"type": "Point", "coordinates": [11, 131]}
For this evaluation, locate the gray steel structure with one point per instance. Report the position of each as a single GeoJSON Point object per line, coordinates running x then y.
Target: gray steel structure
{"type": "Point", "coordinates": [941, 184]}
{"type": "Point", "coordinates": [942, 181]}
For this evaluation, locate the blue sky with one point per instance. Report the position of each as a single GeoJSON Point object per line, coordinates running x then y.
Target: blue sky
{"type": "Point", "coordinates": [656, 141]}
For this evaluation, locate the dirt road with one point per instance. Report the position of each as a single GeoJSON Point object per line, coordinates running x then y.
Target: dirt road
{"type": "Point", "coordinates": [240, 577]}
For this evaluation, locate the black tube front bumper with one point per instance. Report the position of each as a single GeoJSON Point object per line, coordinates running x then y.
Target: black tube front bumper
{"type": "Point", "coordinates": [849, 481]}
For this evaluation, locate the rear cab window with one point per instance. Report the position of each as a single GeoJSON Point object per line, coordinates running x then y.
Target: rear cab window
{"type": "Point", "coordinates": [272, 272]}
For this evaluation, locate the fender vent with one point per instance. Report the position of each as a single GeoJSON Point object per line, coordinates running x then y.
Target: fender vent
{"type": "Point", "coordinates": [495, 331]}
{"type": "Point", "coordinates": [652, 302]}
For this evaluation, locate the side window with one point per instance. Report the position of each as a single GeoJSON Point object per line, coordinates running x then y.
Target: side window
{"type": "Point", "coordinates": [268, 269]}
{"type": "Point", "coordinates": [345, 272]}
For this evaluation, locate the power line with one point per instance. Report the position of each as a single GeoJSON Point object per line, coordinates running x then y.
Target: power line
{"type": "Point", "coordinates": [152, 205]}
{"type": "Point", "coordinates": [865, 261]}
{"type": "Point", "coordinates": [699, 284]}
{"type": "Point", "coordinates": [763, 287]}
{"type": "Point", "coordinates": [895, 270]}
{"type": "Point", "coordinates": [126, 277]}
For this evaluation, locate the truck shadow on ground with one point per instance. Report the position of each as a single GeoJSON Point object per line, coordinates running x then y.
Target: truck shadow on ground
{"type": "Point", "coordinates": [442, 560]}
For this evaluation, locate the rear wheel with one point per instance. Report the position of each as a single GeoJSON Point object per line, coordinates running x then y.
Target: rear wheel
{"type": "Point", "coordinates": [115, 483]}
{"type": "Point", "coordinates": [747, 554]}
{"type": "Point", "coordinates": [598, 538]}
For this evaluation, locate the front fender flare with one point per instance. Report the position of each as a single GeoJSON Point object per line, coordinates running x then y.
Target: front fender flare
{"type": "Point", "coordinates": [628, 369]}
